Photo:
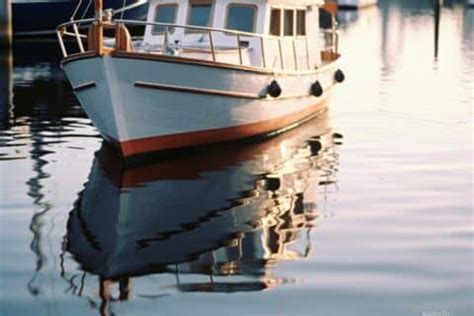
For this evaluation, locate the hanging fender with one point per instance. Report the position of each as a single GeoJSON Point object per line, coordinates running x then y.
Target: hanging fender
{"type": "Point", "coordinates": [274, 89]}
{"type": "Point", "coordinates": [317, 89]}
{"type": "Point", "coordinates": [339, 76]}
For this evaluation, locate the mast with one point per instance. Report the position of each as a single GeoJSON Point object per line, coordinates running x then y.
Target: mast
{"type": "Point", "coordinates": [96, 33]}
{"type": "Point", "coordinates": [437, 16]}
{"type": "Point", "coordinates": [98, 10]}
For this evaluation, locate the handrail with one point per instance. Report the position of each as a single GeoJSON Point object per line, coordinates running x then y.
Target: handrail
{"type": "Point", "coordinates": [331, 37]}
{"type": "Point", "coordinates": [78, 22]}
{"type": "Point", "coordinates": [191, 27]}
{"type": "Point", "coordinates": [172, 25]}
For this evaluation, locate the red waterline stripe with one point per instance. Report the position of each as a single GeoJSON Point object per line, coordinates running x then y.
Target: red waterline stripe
{"type": "Point", "coordinates": [151, 144]}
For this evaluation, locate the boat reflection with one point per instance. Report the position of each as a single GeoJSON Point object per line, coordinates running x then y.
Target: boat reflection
{"type": "Point", "coordinates": [232, 212]}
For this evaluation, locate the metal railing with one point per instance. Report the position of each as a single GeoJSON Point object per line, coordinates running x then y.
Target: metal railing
{"type": "Point", "coordinates": [260, 42]}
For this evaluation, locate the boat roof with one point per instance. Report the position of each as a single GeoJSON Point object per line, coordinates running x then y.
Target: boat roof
{"type": "Point", "coordinates": [295, 2]}
{"type": "Point", "coordinates": [282, 2]}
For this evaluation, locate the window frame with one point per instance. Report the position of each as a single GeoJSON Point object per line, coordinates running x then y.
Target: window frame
{"type": "Point", "coordinates": [236, 4]}
{"type": "Point", "coordinates": [170, 4]}
{"type": "Point", "coordinates": [292, 24]}
{"type": "Point", "coordinates": [280, 21]}
{"type": "Point", "coordinates": [282, 10]}
{"type": "Point", "coordinates": [305, 12]}
{"type": "Point", "coordinates": [188, 15]}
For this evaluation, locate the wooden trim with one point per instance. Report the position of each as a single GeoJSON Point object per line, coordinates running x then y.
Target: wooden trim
{"type": "Point", "coordinates": [329, 56]}
{"type": "Point", "coordinates": [200, 62]}
{"type": "Point", "coordinates": [184, 60]}
{"type": "Point", "coordinates": [85, 55]}
{"type": "Point", "coordinates": [221, 93]}
{"type": "Point", "coordinates": [135, 147]}
{"type": "Point", "coordinates": [85, 85]}
{"type": "Point", "coordinates": [206, 63]}
{"type": "Point", "coordinates": [123, 40]}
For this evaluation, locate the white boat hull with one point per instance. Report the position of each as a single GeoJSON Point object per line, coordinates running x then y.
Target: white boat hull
{"type": "Point", "coordinates": [144, 105]}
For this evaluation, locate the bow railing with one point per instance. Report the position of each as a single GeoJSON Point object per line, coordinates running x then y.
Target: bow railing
{"type": "Point", "coordinates": [214, 44]}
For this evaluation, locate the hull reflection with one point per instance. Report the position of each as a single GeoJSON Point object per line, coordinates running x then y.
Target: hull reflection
{"type": "Point", "coordinates": [233, 211]}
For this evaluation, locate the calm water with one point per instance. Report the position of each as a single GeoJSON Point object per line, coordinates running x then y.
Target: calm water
{"type": "Point", "coordinates": [379, 222]}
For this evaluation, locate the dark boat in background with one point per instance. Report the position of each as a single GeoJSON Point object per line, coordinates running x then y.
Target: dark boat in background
{"type": "Point", "coordinates": [41, 17]}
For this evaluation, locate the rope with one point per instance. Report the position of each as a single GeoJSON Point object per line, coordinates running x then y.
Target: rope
{"type": "Point", "coordinates": [75, 10]}
{"type": "Point", "coordinates": [124, 2]}
{"type": "Point", "coordinates": [87, 9]}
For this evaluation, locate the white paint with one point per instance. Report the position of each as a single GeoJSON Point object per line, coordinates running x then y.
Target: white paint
{"type": "Point", "coordinates": [306, 57]}
{"type": "Point", "coordinates": [126, 112]}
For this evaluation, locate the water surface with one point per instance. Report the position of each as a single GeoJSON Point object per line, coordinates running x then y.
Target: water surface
{"type": "Point", "coordinates": [379, 222]}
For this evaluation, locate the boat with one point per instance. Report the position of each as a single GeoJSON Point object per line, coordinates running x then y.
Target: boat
{"type": "Point", "coordinates": [233, 211]}
{"type": "Point", "coordinates": [355, 4]}
{"type": "Point", "coordinates": [205, 72]}
{"type": "Point", "coordinates": [41, 17]}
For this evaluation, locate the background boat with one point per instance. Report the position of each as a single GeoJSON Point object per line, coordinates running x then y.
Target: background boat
{"type": "Point", "coordinates": [41, 17]}
{"type": "Point", "coordinates": [355, 4]}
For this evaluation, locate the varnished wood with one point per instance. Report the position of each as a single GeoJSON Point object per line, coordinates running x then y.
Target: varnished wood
{"type": "Point", "coordinates": [95, 39]}
{"type": "Point", "coordinates": [222, 93]}
{"type": "Point", "coordinates": [79, 56]}
{"type": "Point", "coordinates": [327, 57]}
{"type": "Point", "coordinates": [331, 7]}
{"type": "Point", "coordinates": [123, 40]}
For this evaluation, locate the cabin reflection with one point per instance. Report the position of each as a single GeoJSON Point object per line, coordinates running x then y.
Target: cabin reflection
{"type": "Point", "coordinates": [229, 214]}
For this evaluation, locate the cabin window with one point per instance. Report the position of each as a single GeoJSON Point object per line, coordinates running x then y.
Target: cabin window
{"type": "Point", "coordinates": [275, 22]}
{"type": "Point", "coordinates": [241, 17]}
{"type": "Point", "coordinates": [289, 22]}
{"type": "Point", "coordinates": [301, 22]}
{"type": "Point", "coordinates": [200, 13]}
{"type": "Point", "coordinates": [165, 13]}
